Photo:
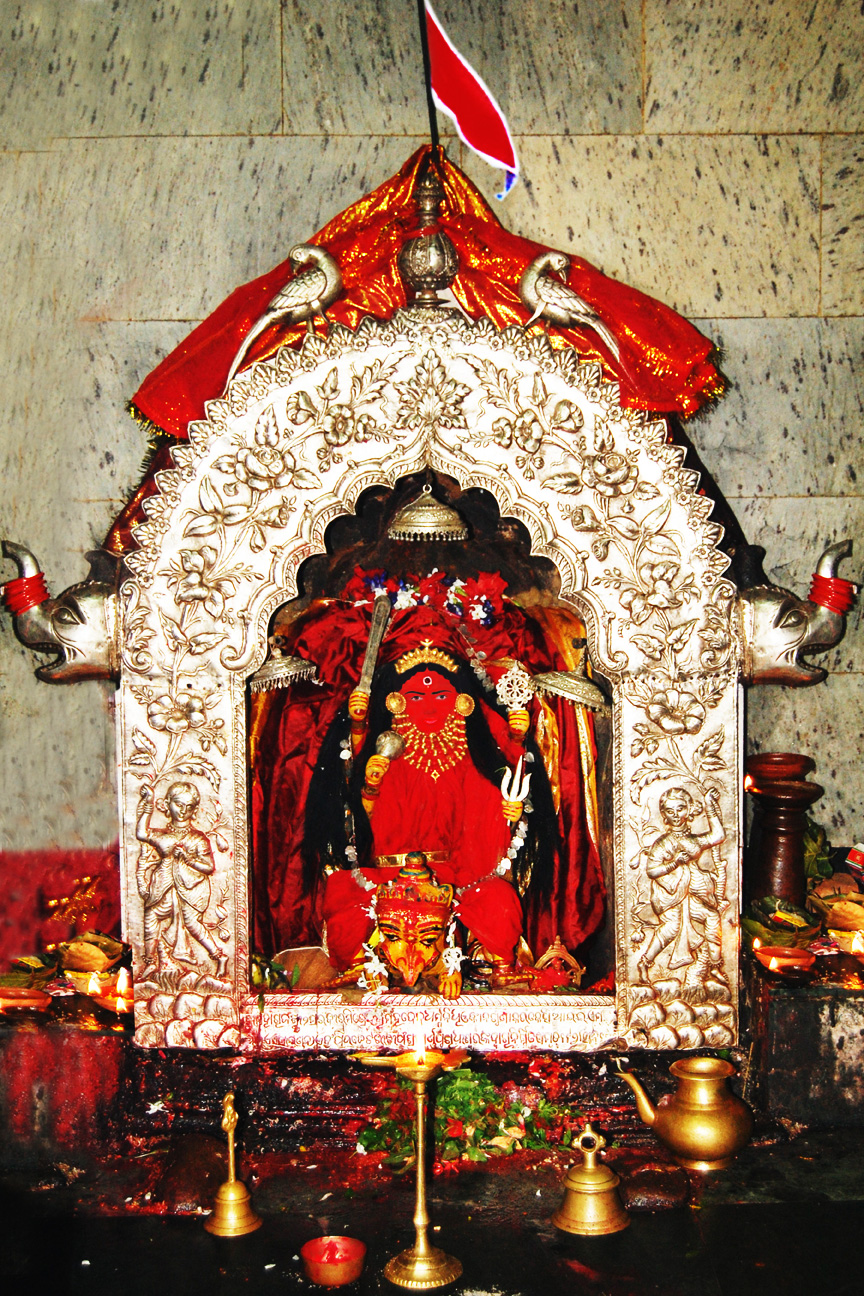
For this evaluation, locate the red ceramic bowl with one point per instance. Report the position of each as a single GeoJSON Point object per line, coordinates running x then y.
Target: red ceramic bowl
{"type": "Point", "coordinates": [333, 1261]}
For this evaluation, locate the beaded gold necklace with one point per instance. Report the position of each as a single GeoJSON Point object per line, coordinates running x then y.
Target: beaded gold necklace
{"type": "Point", "coordinates": [433, 753]}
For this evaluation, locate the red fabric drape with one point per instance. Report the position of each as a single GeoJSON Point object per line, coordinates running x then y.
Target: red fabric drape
{"type": "Point", "coordinates": [666, 365]}
{"type": "Point", "coordinates": [31, 879]}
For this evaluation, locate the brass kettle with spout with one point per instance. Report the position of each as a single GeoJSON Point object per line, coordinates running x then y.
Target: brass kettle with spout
{"type": "Point", "coordinates": [703, 1124]}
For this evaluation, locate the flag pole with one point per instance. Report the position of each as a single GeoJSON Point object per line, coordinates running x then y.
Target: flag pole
{"type": "Point", "coordinates": [427, 74]}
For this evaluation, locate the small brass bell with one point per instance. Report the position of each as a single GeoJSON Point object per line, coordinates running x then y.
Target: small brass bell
{"type": "Point", "coordinates": [232, 1211]}
{"type": "Point", "coordinates": [591, 1203]}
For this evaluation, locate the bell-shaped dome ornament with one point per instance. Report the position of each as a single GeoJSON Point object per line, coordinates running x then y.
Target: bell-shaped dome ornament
{"type": "Point", "coordinates": [426, 518]}
{"type": "Point", "coordinates": [280, 671]}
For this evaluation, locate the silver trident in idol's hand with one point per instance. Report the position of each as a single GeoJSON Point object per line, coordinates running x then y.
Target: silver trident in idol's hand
{"type": "Point", "coordinates": [514, 787]}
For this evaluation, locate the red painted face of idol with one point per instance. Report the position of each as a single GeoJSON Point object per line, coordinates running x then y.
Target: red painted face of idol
{"type": "Point", "coordinates": [430, 698]}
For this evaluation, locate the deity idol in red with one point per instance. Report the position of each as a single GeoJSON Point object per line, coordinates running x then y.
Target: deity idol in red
{"type": "Point", "coordinates": [430, 754]}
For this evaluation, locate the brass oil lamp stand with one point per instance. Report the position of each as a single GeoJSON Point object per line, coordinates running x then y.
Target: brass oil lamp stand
{"type": "Point", "coordinates": [421, 1267]}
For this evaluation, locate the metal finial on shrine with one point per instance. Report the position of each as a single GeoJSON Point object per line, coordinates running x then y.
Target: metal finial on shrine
{"type": "Point", "coordinates": [428, 262]}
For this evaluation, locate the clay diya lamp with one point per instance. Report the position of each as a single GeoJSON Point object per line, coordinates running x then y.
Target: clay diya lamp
{"type": "Point", "coordinates": [848, 942]}
{"type": "Point", "coordinates": [115, 994]}
{"type": "Point", "coordinates": [14, 997]}
{"type": "Point", "coordinates": [784, 958]}
{"type": "Point", "coordinates": [333, 1261]}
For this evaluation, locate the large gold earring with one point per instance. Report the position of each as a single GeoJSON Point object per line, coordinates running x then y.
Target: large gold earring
{"type": "Point", "coordinates": [464, 704]}
{"type": "Point", "coordinates": [396, 704]}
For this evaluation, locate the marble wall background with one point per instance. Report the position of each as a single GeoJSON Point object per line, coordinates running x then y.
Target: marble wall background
{"type": "Point", "coordinates": [154, 156]}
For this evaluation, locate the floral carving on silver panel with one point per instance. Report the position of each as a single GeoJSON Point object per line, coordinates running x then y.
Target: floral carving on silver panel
{"type": "Point", "coordinates": [294, 442]}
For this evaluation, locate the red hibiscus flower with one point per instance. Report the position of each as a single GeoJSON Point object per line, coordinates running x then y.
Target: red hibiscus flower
{"type": "Point", "coordinates": [433, 589]}
{"type": "Point", "coordinates": [357, 589]}
{"type": "Point", "coordinates": [487, 585]}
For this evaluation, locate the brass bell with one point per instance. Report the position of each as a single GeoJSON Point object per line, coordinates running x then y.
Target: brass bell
{"type": "Point", "coordinates": [591, 1203]}
{"type": "Point", "coordinates": [425, 518]}
{"type": "Point", "coordinates": [232, 1210]}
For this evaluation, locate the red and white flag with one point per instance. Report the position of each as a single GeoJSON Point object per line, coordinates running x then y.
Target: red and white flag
{"type": "Point", "coordinates": [460, 93]}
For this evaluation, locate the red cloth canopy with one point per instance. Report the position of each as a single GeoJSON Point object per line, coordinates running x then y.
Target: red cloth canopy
{"type": "Point", "coordinates": [665, 365]}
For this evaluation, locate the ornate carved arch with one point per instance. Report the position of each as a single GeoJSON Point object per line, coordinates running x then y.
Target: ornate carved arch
{"type": "Point", "coordinates": [290, 446]}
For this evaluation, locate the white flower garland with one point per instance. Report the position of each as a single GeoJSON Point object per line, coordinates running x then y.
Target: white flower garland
{"type": "Point", "coordinates": [374, 976]}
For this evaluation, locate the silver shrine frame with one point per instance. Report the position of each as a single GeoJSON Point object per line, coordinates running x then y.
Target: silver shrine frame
{"type": "Point", "coordinates": [289, 447]}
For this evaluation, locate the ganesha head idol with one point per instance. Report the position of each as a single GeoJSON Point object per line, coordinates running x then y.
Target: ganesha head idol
{"type": "Point", "coordinates": [427, 762]}
{"type": "Point", "coordinates": [413, 943]}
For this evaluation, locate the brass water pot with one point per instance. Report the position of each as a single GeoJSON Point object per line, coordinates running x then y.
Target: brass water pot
{"type": "Point", "coordinates": [703, 1124]}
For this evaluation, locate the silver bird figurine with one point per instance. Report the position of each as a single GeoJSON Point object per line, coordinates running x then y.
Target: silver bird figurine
{"type": "Point", "coordinates": [547, 296]}
{"type": "Point", "coordinates": [308, 294]}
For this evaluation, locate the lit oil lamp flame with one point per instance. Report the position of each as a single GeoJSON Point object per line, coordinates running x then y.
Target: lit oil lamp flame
{"type": "Point", "coordinates": [94, 986]}
{"type": "Point", "coordinates": [857, 946]}
{"type": "Point", "coordinates": [123, 983]}
{"type": "Point", "coordinates": [748, 782]}
{"type": "Point", "coordinates": [757, 943]}
{"type": "Point", "coordinates": [773, 965]}
{"type": "Point", "coordinates": [420, 1043]}
{"type": "Point", "coordinates": [121, 1004]}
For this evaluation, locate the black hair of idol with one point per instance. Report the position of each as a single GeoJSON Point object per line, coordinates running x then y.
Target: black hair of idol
{"type": "Point", "coordinates": [334, 804]}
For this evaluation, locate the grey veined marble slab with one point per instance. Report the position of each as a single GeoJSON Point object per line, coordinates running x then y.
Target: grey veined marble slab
{"type": "Point", "coordinates": [754, 65]}
{"type": "Point", "coordinates": [711, 225]}
{"type": "Point", "coordinates": [56, 758]}
{"type": "Point", "coordinates": [125, 67]}
{"type": "Point", "coordinates": [555, 67]}
{"type": "Point", "coordinates": [70, 455]}
{"type": "Point", "coordinates": [792, 420]}
{"type": "Point", "coordinates": [843, 225]}
{"type": "Point", "coordinates": [166, 228]}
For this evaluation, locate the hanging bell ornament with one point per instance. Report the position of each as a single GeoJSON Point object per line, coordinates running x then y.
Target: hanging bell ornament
{"type": "Point", "coordinates": [591, 1203]}
{"type": "Point", "coordinates": [426, 518]}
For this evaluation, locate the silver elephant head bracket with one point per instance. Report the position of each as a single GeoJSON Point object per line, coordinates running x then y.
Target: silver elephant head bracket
{"type": "Point", "coordinates": [78, 628]}
{"type": "Point", "coordinates": [779, 629]}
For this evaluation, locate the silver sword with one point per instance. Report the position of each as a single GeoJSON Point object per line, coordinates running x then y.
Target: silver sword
{"type": "Point", "coordinates": [380, 616]}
